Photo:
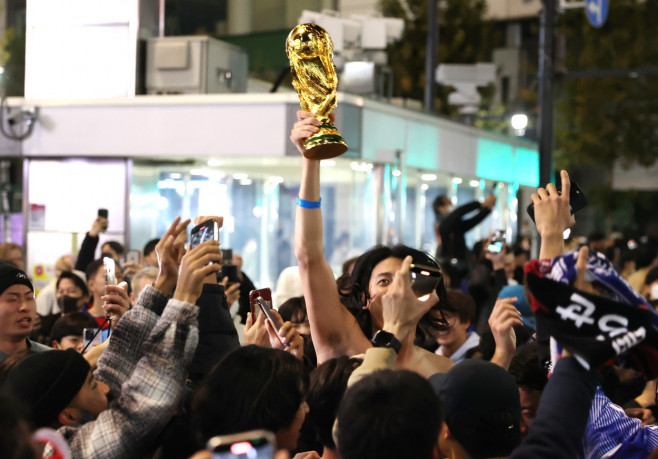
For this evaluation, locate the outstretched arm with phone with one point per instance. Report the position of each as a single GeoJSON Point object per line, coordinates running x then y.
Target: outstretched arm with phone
{"type": "Point", "coordinates": [90, 242]}
{"type": "Point", "coordinates": [217, 333]}
{"type": "Point", "coordinates": [145, 363]}
{"type": "Point", "coordinates": [334, 329]}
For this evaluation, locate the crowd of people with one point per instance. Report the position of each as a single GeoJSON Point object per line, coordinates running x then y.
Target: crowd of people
{"type": "Point", "coordinates": [481, 352]}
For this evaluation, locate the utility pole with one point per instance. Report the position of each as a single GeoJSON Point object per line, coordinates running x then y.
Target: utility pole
{"type": "Point", "coordinates": [430, 57]}
{"type": "Point", "coordinates": [547, 21]}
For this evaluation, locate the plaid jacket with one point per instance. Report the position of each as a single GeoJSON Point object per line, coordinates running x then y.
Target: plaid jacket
{"type": "Point", "coordinates": [145, 368]}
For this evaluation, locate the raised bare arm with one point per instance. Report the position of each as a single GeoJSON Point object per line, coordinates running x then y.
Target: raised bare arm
{"type": "Point", "coordinates": [335, 331]}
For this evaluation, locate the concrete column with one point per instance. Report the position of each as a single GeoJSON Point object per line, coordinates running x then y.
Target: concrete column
{"type": "Point", "coordinates": [239, 17]}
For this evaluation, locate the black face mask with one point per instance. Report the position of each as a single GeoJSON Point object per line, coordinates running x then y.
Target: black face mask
{"type": "Point", "coordinates": [67, 304]}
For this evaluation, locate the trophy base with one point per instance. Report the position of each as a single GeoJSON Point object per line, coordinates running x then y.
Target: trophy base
{"type": "Point", "coordinates": [326, 144]}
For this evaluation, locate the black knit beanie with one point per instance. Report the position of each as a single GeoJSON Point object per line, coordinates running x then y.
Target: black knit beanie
{"type": "Point", "coordinates": [11, 275]}
{"type": "Point", "coordinates": [47, 382]}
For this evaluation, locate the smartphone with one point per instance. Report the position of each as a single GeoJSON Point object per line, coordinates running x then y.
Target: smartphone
{"type": "Point", "coordinates": [134, 256]}
{"type": "Point", "coordinates": [110, 271]}
{"type": "Point", "coordinates": [230, 271]}
{"type": "Point", "coordinates": [424, 279]}
{"type": "Point", "coordinates": [497, 242]}
{"type": "Point", "coordinates": [255, 444]}
{"type": "Point", "coordinates": [103, 213]}
{"type": "Point", "coordinates": [205, 231]}
{"type": "Point", "coordinates": [266, 307]}
{"type": "Point", "coordinates": [265, 293]}
{"type": "Point", "coordinates": [227, 256]}
{"type": "Point", "coordinates": [96, 338]}
{"type": "Point", "coordinates": [577, 200]}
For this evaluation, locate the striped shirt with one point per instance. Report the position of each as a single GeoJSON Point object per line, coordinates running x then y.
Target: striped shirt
{"type": "Point", "coordinates": [612, 434]}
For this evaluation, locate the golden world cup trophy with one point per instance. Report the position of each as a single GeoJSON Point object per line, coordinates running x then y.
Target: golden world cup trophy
{"type": "Point", "coordinates": [310, 50]}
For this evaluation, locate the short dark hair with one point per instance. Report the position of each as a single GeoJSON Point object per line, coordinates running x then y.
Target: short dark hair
{"type": "Point", "coordinates": [527, 369]}
{"type": "Point", "coordinates": [596, 236]}
{"type": "Point", "coordinates": [325, 391]}
{"type": "Point", "coordinates": [463, 304]}
{"type": "Point", "coordinates": [92, 268]}
{"type": "Point", "coordinates": [440, 201]}
{"type": "Point", "coordinates": [389, 414]}
{"type": "Point", "coordinates": [251, 388]}
{"type": "Point", "coordinates": [116, 246]}
{"type": "Point", "coordinates": [150, 246]}
{"type": "Point", "coordinates": [71, 324]}
{"type": "Point", "coordinates": [357, 293]}
{"type": "Point", "coordinates": [75, 279]}
{"type": "Point", "coordinates": [294, 310]}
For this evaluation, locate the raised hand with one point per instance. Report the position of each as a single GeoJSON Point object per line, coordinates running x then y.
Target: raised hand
{"type": "Point", "coordinates": [401, 308]}
{"type": "Point", "coordinates": [287, 338]}
{"type": "Point", "coordinates": [255, 331]}
{"type": "Point", "coordinates": [490, 202]}
{"type": "Point", "coordinates": [232, 292]}
{"type": "Point", "coordinates": [553, 216]}
{"type": "Point", "coordinates": [502, 320]}
{"type": "Point", "coordinates": [307, 125]}
{"type": "Point", "coordinates": [129, 269]}
{"type": "Point", "coordinates": [552, 210]}
{"type": "Point", "coordinates": [196, 265]}
{"type": "Point", "coordinates": [99, 226]}
{"type": "Point", "coordinates": [170, 252]}
{"type": "Point", "coordinates": [117, 301]}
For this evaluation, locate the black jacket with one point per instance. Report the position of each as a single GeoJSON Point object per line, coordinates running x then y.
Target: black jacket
{"type": "Point", "coordinates": [453, 228]}
{"type": "Point", "coordinates": [217, 333]}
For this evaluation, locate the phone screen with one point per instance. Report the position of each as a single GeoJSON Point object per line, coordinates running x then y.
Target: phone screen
{"type": "Point", "coordinates": [92, 334]}
{"type": "Point", "coordinates": [134, 256]}
{"type": "Point", "coordinates": [203, 232]}
{"type": "Point", "coordinates": [110, 274]}
{"type": "Point", "coordinates": [495, 246]}
{"type": "Point", "coordinates": [251, 445]}
{"type": "Point", "coordinates": [244, 449]}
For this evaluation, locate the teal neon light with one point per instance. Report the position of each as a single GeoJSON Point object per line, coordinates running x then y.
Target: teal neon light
{"type": "Point", "coordinates": [495, 160]}
{"type": "Point", "coordinates": [527, 167]}
{"type": "Point", "coordinates": [503, 162]}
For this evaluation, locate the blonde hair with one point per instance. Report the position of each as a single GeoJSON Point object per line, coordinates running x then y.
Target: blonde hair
{"type": "Point", "coordinates": [7, 247]}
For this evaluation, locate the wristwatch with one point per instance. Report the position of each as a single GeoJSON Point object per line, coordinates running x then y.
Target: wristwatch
{"type": "Point", "coordinates": [385, 339]}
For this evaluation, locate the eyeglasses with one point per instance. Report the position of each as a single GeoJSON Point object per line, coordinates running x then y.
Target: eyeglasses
{"type": "Point", "coordinates": [424, 279]}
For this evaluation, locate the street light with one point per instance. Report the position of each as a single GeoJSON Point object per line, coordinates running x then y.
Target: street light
{"type": "Point", "coordinates": [519, 121]}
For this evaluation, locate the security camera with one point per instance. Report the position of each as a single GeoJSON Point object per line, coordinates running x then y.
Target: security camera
{"type": "Point", "coordinates": [14, 116]}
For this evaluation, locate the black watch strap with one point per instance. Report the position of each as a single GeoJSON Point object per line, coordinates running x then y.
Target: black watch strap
{"type": "Point", "coordinates": [385, 339]}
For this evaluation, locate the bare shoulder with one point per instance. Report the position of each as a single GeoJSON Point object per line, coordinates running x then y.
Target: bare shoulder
{"type": "Point", "coordinates": [427, 363]}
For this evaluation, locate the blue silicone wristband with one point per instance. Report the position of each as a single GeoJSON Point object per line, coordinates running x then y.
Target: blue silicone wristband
{"type": "Point", "coordinates": [308, 204]}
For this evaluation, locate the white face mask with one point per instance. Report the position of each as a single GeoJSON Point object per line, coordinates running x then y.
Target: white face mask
{"type": "Point", "coordinates": [654, 291]}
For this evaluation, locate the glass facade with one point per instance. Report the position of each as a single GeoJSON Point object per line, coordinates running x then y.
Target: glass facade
{"type": "Point", "coordinates": [258, 206]}
{"type": "Point", "coordinates": [362, 204]}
